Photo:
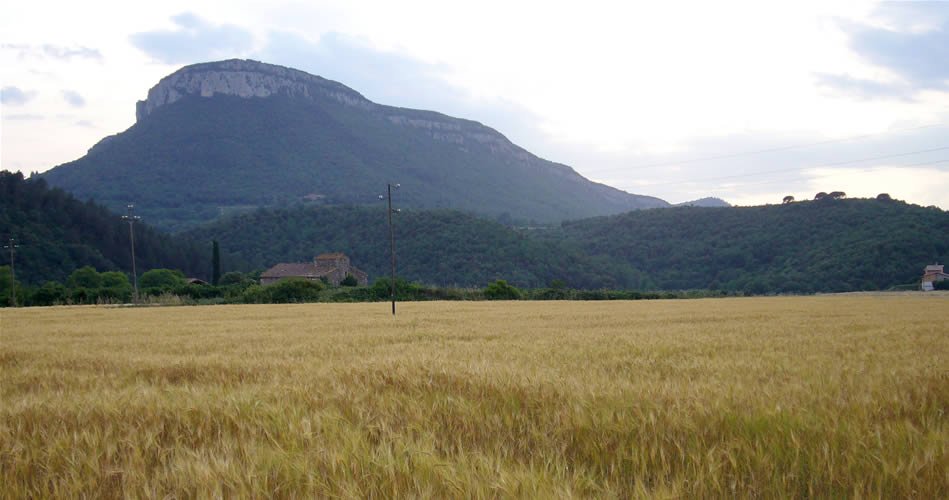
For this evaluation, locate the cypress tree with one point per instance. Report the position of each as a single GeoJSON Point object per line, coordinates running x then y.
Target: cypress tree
{"type": "Point", "coordinates": [215, 262]}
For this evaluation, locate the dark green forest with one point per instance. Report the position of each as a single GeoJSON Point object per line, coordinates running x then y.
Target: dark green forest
{"type": "Point", "coordinates": [57, 234]}
{"type": "Point", "coordinates": [805, 247]}
{"type": "Point", "coordinates": [440, 247]}
{"type": "Point", "coordinates": [812, 246]}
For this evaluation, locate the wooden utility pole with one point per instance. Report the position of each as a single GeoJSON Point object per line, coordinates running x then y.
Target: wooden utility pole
{"type": "Point", "coordinates": [392, 242]}
{"type": "Point", "coordinates": [131, 220]}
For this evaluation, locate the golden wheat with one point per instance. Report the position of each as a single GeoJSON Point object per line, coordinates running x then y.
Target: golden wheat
{"type": "Point", "coordinates": [763, 397]}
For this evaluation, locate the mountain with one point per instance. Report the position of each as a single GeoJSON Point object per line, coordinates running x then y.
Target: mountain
{"type": "Point", "coordinates": [229, 136]}
{"type": "Point", "coordinates": [811, 246]}
{"type": "Point", "coordinates": [58, 234]}
{"type": "Point", "coordinates": [704, 202]}
{"type": "Point", "coordinates": [441, 247]}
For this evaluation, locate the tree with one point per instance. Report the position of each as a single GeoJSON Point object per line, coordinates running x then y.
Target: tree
{"type": "Point", "coordinates": [164, 279]}
{"type": "Point", "coordinates": [114, 279]}
{"type": "Point", "coordinates": [787, 199]}
{"type": "Point", "coordinates": [836, 195]}
{"type": "Point", "coordinates": [51, 293]}
{"type": "Point", "coordinates": [233, 278]}
{"type": "Point", "coordinates": [501, 290]}
{"type": "Point", "coordinates": [884, 197]}
{"type": "Point", "coordinates": [215, 263]}
{"type": "Point", "coordinates": [349, 280]}
{"type": "Point", "coordinates": [115, 285]}
{"type": "Point", "coordinates": [820, 196]}
{"type": "Point", "coordinates": [294, 290]}
{"type": "Point", "coordinates": [5, 290]}
{"type": "Point", "coordinates": [84, 277]}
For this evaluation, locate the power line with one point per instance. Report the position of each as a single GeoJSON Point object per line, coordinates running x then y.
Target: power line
{"type": "Point", "coordinates": [780, 148]}
{"type": "Point", "coordinates": [131, 220]}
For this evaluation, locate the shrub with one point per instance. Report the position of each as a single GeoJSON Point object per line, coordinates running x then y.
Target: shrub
{"type": "Point", "coordinates": [84, 277]}
{"type": "Point", "coordinates": [163, 279]}
{"type": "Point", "coordinates": [294, 290]}
{"type": "Point", "coordinates": [349, 280]}
{"type": "Point", "coordinates": [195, 291]}
{"type": "Point", "coordinates": [232, 278]}
{"type": "Point", "coordinates": [115, 286]}
{"type": "Point", "coordinates": [51, 293]}
{"type": "Point", "coordinates": [501, 290]}
{"type": "Point", "coordinates": [255, 294]}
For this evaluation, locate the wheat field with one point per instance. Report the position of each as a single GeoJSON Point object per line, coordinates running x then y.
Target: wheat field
{"type": "Point", "coordinates": [834, 396]}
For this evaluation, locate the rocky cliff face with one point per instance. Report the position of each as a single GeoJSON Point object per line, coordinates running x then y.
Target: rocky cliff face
{"type": "Point", "coordinates": [254, 79]}
{"type": "Point", "coordinates": [244, 78]}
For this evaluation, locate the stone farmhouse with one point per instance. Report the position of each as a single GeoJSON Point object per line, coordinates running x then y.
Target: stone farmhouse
{"type": "Point", "coordinates": [334, 267]}
{"type": "Point", "coordinates": [932, 274]}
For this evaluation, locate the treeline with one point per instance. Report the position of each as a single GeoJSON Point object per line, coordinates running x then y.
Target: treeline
{"type": "Point", "coordinates": [87, 286]}
{"type": "Point", "coordinates": [56, 234]}
{"type": "Point", "coordinates": [831, 245]}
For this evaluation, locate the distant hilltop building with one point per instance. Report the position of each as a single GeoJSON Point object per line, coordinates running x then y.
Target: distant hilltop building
{"type": "Point", "coordinates": [334, 267]}
{"type": "Point", "coordinates": [933, 274]}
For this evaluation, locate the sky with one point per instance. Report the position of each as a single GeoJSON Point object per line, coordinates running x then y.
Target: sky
{"type": "Point", "coordinates": [745, 101]}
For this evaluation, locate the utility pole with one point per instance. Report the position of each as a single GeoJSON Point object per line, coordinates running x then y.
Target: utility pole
{"type": "Point", "coordinates": [12, 246]}
{"type": "Point", "coordinates": [392, 240]}
{"type": "Point", "coordinates": [131, 220]}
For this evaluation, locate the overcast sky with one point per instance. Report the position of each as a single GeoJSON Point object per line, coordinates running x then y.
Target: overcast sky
{"type": "Point", "coordinates": [746, 101]}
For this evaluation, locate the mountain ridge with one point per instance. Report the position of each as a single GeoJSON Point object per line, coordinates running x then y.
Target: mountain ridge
{"type": "Point", "coordinates": [268, 131]}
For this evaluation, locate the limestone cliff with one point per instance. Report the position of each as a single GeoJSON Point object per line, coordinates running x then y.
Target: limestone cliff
{"type": "Point", "coordinates": [244, 78]}
{"type": "Point", "coordinates": [254, 79]}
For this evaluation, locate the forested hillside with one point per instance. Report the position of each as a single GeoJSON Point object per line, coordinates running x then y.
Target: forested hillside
{"type": "Point", "coordinates": [805, 247]}
{"type": "Point", "coordinates": [827, 246]}
{"type": "Point", "coordinates": [439, 247]}
{"type": "Point", "coordinates": [58, 234]}
{"type": "Point", "coordinates": [813, 246]}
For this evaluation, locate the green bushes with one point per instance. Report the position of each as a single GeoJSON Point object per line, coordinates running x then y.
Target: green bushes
{"type": "Point", "coordinates": [51, 293]}
{"type": "Point", "coordinates": [294, 290]}
{"type": "Point", "coordinates": [162, 279]}
{"type": "Point", "coordinates": [349, 280]}
{"type": "Point", "coordinates": [501, 290]}
{"type": "Point", "coordinates": [169, 287]}
{"type": "Point", "coordinates": [285, 291]}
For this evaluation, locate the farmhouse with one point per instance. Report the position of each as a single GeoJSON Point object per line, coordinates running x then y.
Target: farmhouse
{"type": "Point", "coordinates": [931, 275]}
{"type": "Point", "coordinates": [334, 267]}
